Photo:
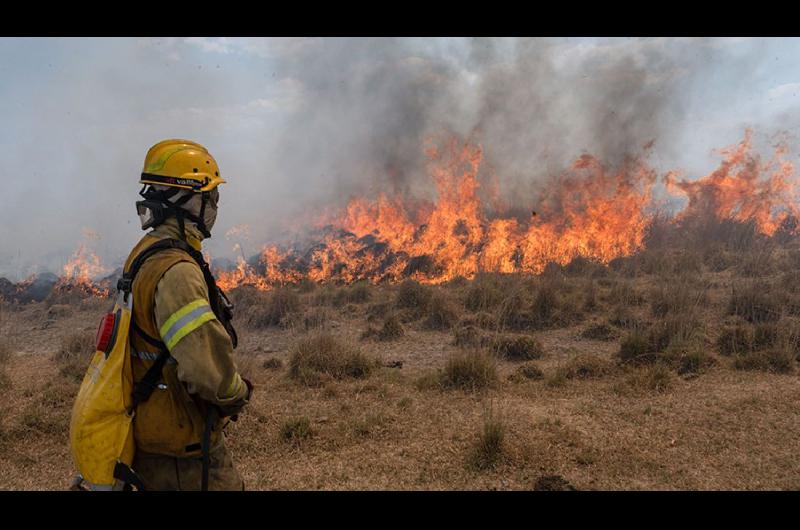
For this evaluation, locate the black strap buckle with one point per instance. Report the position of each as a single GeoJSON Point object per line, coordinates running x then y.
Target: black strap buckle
{"type": "Point", "coordinates": [125, 284]}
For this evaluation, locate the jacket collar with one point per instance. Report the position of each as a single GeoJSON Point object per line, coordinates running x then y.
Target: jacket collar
{"type": "Point", "coordinates": [170, 229]}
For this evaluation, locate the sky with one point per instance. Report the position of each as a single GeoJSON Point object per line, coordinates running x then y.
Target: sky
{"type": "Point", "coordinates": [299, 124]}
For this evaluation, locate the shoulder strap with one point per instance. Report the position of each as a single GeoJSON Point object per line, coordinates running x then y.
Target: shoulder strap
{"type": "Point", "coordinates": [220, 305]}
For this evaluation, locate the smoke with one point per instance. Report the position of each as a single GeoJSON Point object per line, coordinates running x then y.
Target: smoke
{"type": "Point", "coordinates": [301, 125]}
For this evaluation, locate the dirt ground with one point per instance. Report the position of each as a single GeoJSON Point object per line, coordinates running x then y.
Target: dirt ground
{"type": "Point", "coordinates": [614, 426]}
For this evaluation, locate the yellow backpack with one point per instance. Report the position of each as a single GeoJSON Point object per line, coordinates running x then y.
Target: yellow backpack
{"type": "Point", "coordinates": [101, 427]}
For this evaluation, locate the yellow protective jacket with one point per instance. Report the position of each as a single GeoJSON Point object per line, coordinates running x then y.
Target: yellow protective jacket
{"type": "Point", "coordinates": [171, 304]}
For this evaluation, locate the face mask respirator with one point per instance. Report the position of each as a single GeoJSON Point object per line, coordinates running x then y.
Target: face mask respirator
{"type": "Point", "coordinates": [157, 208]}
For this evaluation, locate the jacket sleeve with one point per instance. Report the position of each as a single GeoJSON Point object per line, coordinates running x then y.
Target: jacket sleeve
{"type": "Point", "coordinates": [195, 338]}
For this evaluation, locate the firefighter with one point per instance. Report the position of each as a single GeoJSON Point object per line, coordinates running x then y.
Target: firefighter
{"type": "Point", "coordinates": [179, 311]}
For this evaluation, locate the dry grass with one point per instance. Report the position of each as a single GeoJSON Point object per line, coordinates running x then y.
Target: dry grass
{"type": "Point", "coordinates": [320, 357]}
{"type": "Point", "coordinates": [517, 348]}
{"type": "Point", "coordinates": [74, 355]}
{"type": "Point", "coordinates": [278, 309]}
{"type": "Point", "coordinates": [470, 370]}
{"type": "Point", "coordinates": [295, 430]}
{"type": "Point", "coordinates": [488, 448]}
{"type": "Point", "coordinates": [573, 419]}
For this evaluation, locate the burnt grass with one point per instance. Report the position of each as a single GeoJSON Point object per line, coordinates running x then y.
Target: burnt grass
{"type": "Point", "coordinates": [383, 386]}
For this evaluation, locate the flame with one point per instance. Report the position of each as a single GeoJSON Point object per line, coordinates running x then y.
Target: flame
{"type": "Point", "coordinates": [81, 269]}
{"type": "Point", "coordinates": [743, 188]}
{"type": "Point", "coordinates": [589, 210]}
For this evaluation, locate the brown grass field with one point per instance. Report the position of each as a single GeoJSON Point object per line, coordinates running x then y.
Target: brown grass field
{"type": "Point", "coordinates": [665, 370]}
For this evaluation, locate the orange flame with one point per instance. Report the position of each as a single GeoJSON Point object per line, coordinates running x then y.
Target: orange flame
{"type": "Point", "coordinates": [588, 210]}
{"type": "Point", "coordinates": [81, 269]}
{"type": "Point", "coordinates": [743, 189]}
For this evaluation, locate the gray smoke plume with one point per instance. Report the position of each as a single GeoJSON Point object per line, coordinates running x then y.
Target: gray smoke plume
{"type": "Point", "coordinates": [298, 125]}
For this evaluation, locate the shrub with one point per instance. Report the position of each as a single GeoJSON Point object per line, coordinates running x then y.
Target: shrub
{"type": "Point", "coordinates": [467, 335]}
{"type": "Point", "coordinates": [280, 304]}
{"type": "Point", "coordinates": [273, 363]}
{"type": "Point", "coordinates": [519, 348]}
{"type": "Point", "coordinates": [312, 359]}
{"type": "Point", "coordinates": [601, 331]}
{"type": "Point", "coordinates": [755, 302]}
{"type": "Point", "coordinates": [692, 361]}
{"type": "Point", "coordinates": [656, 378]}
{"type": "Point", "coordinates": [777, 360]}
{"type": "Point", "coordinates": [514, 314]}
{"type": "Point", "coordinates": [295, 430]}
{"type": "Point", "coordinates": [634, 348]}
{"type": "Point", "coordinates": [488, 449]}
{"type": "Point", "coordinates": [530, 371]}
{"type": "Point", "coordinates": [413, 295]}
{"type": "Point", "coordinates": [471, 370]}
{"type": "Point", "coordinates": [316, 318]}
{"type": "Point", "coordinates": [674, 330]}
{"type": "Point", "coordinates": [675, 299]}
{"type": "Point", "coordinates": [441, 313]}
{"type": "Point", "coordinates": [735, 340]}
{"type": "Point", "coordinates": [482, 296]}
{"type": "Point", "coordinates": [357, 293]}
{"type": "Point", "coordinates": [586, 366]}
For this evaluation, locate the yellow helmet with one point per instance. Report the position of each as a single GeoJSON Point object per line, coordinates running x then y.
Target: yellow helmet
{"type": "Point", "coordinates": [181, 164]}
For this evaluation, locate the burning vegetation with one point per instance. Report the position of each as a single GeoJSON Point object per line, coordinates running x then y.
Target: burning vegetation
{"type": "Point", "coordinates": [589, 211]}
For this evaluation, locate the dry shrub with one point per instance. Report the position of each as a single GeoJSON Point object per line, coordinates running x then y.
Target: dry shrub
{"type": "Point", "coordinates": [513, 314]}
{"type": "Point", "coordinates": [624, 293]}
{"type": "Point", "coordinates": [483, 295]}
{"type": "Point", "coordinates": [295, 430]}
{"type": "Point", "coordinates": [601, 331]}
{"type": "Point", "coordinates": [319, 357]}
{"type": "Point", "coordinates": [317, 318]}
{"type": "Point", "coordinates": [378, 310]}
{"type": "Point", "coordinates": [517, 348]}
{"type": "Point", "coordinates": [656, 378]}
{"type": "Point", "coordinates": [467, 335]}
{"type": "Point", "coordinates": [472, 370]}
{"type": "Point", "coordinates": [273, 363]}
{"type": "Point", "coordinates": [676, 298]}
{"type": "Point", "coordinates": [690, 360]}
{"type": "Point", "coordinates": [413, 295]}
{"type": "Point", "coordinates": [74, 355]}
{"type": "Point", "coordinates": [529, 370]}
{"type": "Point", "coordinates": [676, 330]}
{"type": "Point", "coordinates": [755, 301]}
{"type": "Point", "coordinates": [246, 297]}
{"type": "Point", "coordinates": [777, 360]}
{"type": "Point", "coordinates": [442, 315]}
{"type": "Point", "coordinates": [357, 293]}
{"type": "Point", "coordinates": [634, 348]}
{"type": "Point", "coordinates": [279, 309]}
{"type": "Point", "coordinates": [581, 266]}
{"type": "Point", "coordinates": [586, 366]}
{"type": "Point", "coordinates": [757, 261]}
{"type": "Point", "coordinates": [488, 448]}
{"type": "Point", "coordinates": [369, 425]}
{"type": "Point", "coordinates": [735, 340]}
{"type": "Point", "coordinates": [392, 329]}
{"type": "Point", "coordinates": [717, 259]}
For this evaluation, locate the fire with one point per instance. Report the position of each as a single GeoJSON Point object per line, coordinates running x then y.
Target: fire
{"type": "Point", "coordinates": [743, 188]}
{"type": "Point", "coordinates": [82, 269]}
{"type": "Point", "coordinates": [589, 210]}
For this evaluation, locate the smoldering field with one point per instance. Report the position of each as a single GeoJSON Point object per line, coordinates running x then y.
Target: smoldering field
{"type": "Point", "coordinates": [673, 368]}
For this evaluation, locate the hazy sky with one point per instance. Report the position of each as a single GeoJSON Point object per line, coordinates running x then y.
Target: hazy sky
{"type": "Point", "coordinates": [298, 123]}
